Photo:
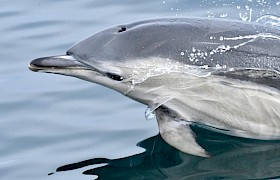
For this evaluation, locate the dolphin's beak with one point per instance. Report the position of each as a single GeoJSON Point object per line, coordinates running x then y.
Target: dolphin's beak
{"type": "Point", "coordinates": [53, 63]}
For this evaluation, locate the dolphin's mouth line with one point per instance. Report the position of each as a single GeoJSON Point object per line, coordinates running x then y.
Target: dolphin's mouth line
{"type": "Point", "coordinates": [35, 68]}
{"type": "Point", "coordinates": [67, 64]}
{"type": "Point", "coordinates": [56, 63]}
{"type": "Point", "coordinates": [90, 67]}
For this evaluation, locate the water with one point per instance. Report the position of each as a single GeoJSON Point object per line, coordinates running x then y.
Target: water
{"type": "Point", "coordinates": [56, 127]}
{"type": "Point", "coordinates": [273, 21]}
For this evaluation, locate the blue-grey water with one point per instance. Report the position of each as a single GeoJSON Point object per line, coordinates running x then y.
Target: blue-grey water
{"type": "Point", "coordinates": [58, 127]}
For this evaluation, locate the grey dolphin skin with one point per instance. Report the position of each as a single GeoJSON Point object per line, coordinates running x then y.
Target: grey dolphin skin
{"type": "Point", "coordinates": [223, 75]}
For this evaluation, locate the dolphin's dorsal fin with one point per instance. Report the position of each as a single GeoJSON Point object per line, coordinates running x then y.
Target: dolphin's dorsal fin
{"type": "Point", "coordinates": [177, 133]}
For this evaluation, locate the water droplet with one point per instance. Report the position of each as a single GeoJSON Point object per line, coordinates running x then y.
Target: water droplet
{"type": "Point", "coordinates": [223, 15]}
{"type": "Point", "coordinates": [218, 66]}
{"type": "Point", "coordinates": [149, 114]}
{"type": "Point", "coordinates": [270, 20]}
{"type": "Point", "coordinates": [205, 66]}
{"type": "Point", "coordinates": [182, 53]}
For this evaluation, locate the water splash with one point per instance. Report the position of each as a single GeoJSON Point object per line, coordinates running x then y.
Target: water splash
{"type": "Point", "coordinates": [149, 114]}
{"type": "Point", "coordinates": [198, 55]}
{"type": "Point", "coordinates": [160, 66]}
{"type": "Point", "coordinates": [255, 36]}
{"type": "Point", "coordinates": [270, 20]}
{"type": "Point", "coordinates": [150, 110]}
{"type": "Point", "coordinates": [246, 10]}
{"type": "Point", "coordinates": [247, 39]}
{"type": "Point", "coordinates": [247, 16]}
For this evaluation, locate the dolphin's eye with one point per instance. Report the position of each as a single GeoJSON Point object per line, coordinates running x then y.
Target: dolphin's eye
{"type": "Point", "coordinates": [121, 29]}
{"type": "Point", "coordinates": [115, 77]}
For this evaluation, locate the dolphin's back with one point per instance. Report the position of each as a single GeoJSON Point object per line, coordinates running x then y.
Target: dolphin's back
{"type": "Point", "coordinates": [194, 41]}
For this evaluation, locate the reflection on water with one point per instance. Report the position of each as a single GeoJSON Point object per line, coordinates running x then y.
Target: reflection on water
{"type": "Point", "coordinates": [232, 158]}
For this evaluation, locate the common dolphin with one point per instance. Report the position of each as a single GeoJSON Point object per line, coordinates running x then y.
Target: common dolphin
{"type": "Point", "coordinates": [220, 74]}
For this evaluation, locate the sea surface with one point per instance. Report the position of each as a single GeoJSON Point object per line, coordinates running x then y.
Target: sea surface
{"type": "Point", "coordinates": [58, 127]}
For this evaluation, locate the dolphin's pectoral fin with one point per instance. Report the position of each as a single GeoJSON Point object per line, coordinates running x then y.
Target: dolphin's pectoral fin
{"type": "Point", "coordinates": [177, 133]}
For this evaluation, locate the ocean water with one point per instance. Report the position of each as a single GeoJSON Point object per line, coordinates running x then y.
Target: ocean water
{"type": "Point", "coordinates": [58, 127]}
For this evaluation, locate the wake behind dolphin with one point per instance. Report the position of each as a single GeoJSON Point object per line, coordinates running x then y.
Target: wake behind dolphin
{"type": "Point", "coordinates": [221, 74]}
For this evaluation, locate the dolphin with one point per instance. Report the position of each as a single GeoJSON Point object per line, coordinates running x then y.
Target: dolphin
{"type": "Point", "coordinates": [222, 75]}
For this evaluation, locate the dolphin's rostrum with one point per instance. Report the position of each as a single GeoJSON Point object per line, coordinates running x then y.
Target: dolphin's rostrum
{"type": "Point", "coordinates": [221, 74]}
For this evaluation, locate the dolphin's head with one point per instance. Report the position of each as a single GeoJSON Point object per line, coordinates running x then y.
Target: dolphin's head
{"type": "Point", "coordinates": [114, 57]}
{"type": "Point", "coordinates": [106, 75]}
{"type": "Point", "coordinates": [125, 55]}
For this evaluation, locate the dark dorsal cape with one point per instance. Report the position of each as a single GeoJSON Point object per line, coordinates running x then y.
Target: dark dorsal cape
{"type": "Point", "coordinates": [195, 41]}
